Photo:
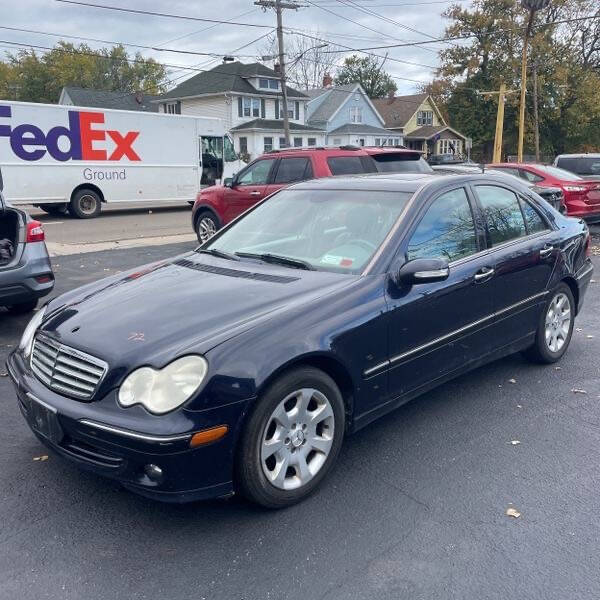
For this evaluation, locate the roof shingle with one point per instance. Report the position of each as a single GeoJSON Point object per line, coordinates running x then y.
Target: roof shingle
{"type": "Point", "coordinates": [114, 100]}
{"type": "Point", "coordinates": [397, 111]}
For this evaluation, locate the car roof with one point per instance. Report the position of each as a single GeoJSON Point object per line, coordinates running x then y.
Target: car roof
{"type": "Point", "coordinates": [339, 151]}
{"type": "Point", "coordinates": [582, 155]}
{"type": "Point", "coordinates": [391, 182]}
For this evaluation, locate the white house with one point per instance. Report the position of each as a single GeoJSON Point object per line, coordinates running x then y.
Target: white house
{"type": "Point", "coordinates": [348, 116]}
{"type": "Point", "coordinates": [249, 100]}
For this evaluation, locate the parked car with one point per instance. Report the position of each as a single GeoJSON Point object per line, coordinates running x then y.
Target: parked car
{"type": "Point", "coordinates": [445, 159]}
{"type": "Point", "coordinates": [582, 197]}
{"type": "Point", "coordinates": [218, 205]}
{"type": "Point", "coordinates": [553, 195]}
{"type": "Point", "coordinates": [585, 165]}
{"type": "Point", "coordinates": [25, 269]}
{"type": "Point", "coordinates": [336, 300]}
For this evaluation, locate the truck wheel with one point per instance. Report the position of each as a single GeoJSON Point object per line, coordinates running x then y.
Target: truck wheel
{"type": "Point", "coordinates": [207, 225]}
{"type": "Point", "coordinates": [56, 210]}
{"type": "Point", "coordinates": [85, 204]}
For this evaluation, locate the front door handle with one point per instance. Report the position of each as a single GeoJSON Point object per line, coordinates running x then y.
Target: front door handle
{"type": "Point", "coordinates": [484, 274]}
{"type": "Point", "coordinates": [255, 193]}
{"type": "Point", "coordinates": [546, 251]}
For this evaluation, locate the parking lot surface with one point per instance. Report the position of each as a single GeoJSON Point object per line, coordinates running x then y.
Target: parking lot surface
{"type": "Point", "coordinates": [415, 509]}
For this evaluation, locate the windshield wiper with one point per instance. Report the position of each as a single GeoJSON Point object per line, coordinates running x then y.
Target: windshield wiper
{"type": "Point", "coordinates": [218, 253]}
{"type": "Point", "coordinates": [295, 263]}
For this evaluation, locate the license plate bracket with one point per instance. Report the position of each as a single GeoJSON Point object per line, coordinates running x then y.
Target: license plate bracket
{"type": "Point", "coordinates": [44, 420]}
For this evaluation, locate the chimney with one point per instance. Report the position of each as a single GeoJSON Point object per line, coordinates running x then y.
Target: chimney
{"type": "Point", "coordinates": [327, 80]}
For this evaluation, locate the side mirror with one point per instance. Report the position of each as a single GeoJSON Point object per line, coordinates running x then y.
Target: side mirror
{"type": "Point", "coordinates": [228, 182]}
{"type": "Point", "coordinates": [422, 270]}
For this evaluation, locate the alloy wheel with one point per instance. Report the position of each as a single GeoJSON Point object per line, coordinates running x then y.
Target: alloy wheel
{"type": "Point", "coordinates": [558, 322]}
{"type": "Point", "coordinates": [206, 229]}
{"type": "Point", "coordinates": [297, 439]}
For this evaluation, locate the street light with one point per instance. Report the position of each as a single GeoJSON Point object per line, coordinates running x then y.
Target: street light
{"type": "Point", "coordinates": [532, 6]}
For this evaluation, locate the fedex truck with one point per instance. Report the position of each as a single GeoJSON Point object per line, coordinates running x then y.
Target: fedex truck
{"type": "Point", "coordinates": [73, 158]}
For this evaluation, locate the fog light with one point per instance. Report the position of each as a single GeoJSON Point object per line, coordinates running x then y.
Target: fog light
{"type": "Point", "coordinates": [154, 472]}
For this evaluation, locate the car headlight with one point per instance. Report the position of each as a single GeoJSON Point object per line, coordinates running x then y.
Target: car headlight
{"type": "Point", "coordinates": [161, 391]}
{"type": "Point", "coordinates": [26, 343]}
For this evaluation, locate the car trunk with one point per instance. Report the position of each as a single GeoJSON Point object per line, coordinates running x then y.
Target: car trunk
{"type": "Point", "coordinates": [9, 235]}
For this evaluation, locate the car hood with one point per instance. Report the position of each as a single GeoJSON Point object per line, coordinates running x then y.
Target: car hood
{"type": "Point", "coordinates": [188, 304]}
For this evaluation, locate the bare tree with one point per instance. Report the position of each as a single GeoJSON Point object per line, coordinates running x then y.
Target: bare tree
{"type": "Point", "coordinates": [308, 61]}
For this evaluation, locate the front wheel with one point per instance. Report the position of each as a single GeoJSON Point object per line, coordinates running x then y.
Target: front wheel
{"type": "Point", "coordinates": [292, 438]}
{"type": "Point", "coordinates": [555, 327]}
{"type": "Point", "coordinates": [207, 225]}
{"type": "Point", "coordinates": [85, 204]}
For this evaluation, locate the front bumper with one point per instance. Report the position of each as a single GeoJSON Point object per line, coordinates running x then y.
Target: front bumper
{"type": "Point", "coordinates": [110, 443]}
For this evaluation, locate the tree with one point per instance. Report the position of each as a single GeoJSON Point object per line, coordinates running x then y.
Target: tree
{"type": "Point", "coordinates": [367, 71]}
{"type": "Point", "coordinates": [308, 59]}
{"type": "Point", "coordinates": [31, 77]}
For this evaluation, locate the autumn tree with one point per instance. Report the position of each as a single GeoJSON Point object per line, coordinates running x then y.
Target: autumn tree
{"type": "Point", "coordinates": [368, 71]}
{"type": "Point", "coordinates": [33, 77]}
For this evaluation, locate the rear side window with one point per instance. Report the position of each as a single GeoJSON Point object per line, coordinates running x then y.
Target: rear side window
{"type": "Point", "coordinates": [293, 169]}
{"type": "Point", "coordinates": [533, 220]}
{"type": "Point", "coordinates": [503, 213]}
{"type": "Point", "coordinates": [446, 231]}
{"type": "Point", "coordinates": [580, 166]}
{"type": "Point", "coordinates": [401, 163]}
{"type": "Point", "coordinates": [350, 165]}
{"type": "Point", "coordinates": [531, 177]}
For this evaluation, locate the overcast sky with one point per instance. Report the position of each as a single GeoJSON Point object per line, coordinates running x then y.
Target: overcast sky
{"type": "Point", "coordinates": [54, 17]}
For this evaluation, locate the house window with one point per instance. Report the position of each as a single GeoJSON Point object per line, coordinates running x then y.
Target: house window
{"type": "Point", "coordinates": [251, 107]}
{"type": "Point", "coordinates": [356, 114]}
{"type": "Point", "coordinates": [312, 141]}
{"type": "Point", "coordinates": [243, 145]}
{"type": "Point", "coordinates": [172, 108]}
{"type": "Point", "coordinates": [282, 142]}
{"type": "Point", "coordinates": [425, 117]}
{"type": "Point", "coordinates": [378, 141]}
{"type": "Point", "coordinates": [297, 142]}
{"type": "Point", "coordinates": [268, 84]}
{"type": "Point", "coordinates": [268, 144]}
{"type": "Point", "coordinates": [337, 141]}
{"type": "Point", "coordinates": [263, 83]}
{"type": "Point", "coordinates": [449, 146]}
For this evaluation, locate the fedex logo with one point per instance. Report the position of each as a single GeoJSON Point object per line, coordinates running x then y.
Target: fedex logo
{"type": "Point", "coordinates": [30, 143]}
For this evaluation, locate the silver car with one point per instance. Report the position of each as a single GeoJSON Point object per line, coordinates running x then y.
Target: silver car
{"type": "Point", "coordinates": [25, 269]}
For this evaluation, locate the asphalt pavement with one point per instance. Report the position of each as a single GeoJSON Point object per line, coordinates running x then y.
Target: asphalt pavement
{"type": "Point", "coordinates": [415, 509]}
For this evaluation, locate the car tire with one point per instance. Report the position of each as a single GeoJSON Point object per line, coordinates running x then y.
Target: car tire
{"type": "Point", "coordinates": [555, 327]}
{"type": "Point", "coordinates": [23, 307]}
{"type": "Point", "coordinates": [207, 224]}
{"type": "Point", "coordinates": [85, 204]}
{"type": "Point", "coordinates": [56, 210]}
{"type": "Point", "coordinates": [298, 424]}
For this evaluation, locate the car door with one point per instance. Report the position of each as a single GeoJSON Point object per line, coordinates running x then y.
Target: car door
{"type": "Point", "coordinates": [523, 249]}
{"type": "Point", "coordinates": [437, 328]}
{"type": "Point", "coordinates": [249, 187]}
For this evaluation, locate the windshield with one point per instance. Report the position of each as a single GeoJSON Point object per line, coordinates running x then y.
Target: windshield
{"type": "Point", "coordinates": [326, 230]}
{"type": "Point", "coordinates": [581, 166]}
{"type": "Point", "coordinates": [559, 173]}
{"type": "Point", "coordinates": [401, 163]}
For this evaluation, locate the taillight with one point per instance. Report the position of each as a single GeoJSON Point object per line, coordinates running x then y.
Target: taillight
{"type": "Point", "coordinates": [35, 232]}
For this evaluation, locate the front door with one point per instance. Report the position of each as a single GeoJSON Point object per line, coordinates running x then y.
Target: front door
{"type": "Point", "coordinates": [524, 250]}
{"type": "Point", "coordinates": [249, 187]}
{"type": "Point", "coordinates": [436, 328]}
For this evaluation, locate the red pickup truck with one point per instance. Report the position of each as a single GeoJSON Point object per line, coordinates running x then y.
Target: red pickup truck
{"type": "Point", "coordinates": [218, 205]}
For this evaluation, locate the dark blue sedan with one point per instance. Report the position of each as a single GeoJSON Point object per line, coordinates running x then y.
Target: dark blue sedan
{"type": "Point", "coordinates": [242, 365]}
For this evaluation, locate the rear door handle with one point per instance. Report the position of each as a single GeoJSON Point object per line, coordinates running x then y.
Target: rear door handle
{"type": "Point", "coordinates": [546, 251]}
{"type": "Point", "coordinates": [484, 274]}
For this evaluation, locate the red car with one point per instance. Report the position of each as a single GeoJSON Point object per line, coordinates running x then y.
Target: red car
{"type": "Point", "coordinates": [218, 205]}
{"type": "Point", "coordinates": [582, 196]}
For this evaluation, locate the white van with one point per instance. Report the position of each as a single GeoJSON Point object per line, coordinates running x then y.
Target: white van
{"type": "Point", "coordinates": [66, 157]}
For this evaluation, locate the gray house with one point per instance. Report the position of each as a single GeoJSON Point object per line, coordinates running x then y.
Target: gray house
{"type": "Point", "coordinates": [348, 116]}
{"type": "Point", "coordinates": [75, 96]}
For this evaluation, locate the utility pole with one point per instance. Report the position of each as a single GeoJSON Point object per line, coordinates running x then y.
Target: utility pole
{"type": "Point", "coordinates": [536, 117]}
{"type": "Point", "coordinates": [501, 93]}
{"type": "Point", "coordinates": [279, 6]}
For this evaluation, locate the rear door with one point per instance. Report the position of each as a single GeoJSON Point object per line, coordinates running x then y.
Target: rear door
{"type": "Point", "coordinates": [250, 187]}
{"type": "Point", "coordinates": [523, 249]}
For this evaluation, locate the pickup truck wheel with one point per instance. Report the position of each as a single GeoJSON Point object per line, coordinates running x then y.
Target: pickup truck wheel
{"type": "Point", "coordinates": [85, 204]}
{"type": "Point", "coordinates": [23, 307]}
{"type": "Point", "coordinates": [207, 225]}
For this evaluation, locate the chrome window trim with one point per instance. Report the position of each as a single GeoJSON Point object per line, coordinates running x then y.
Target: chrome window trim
{"type": "Point", "coordinates": [135, 435]}
{"type": "Point", "coordinates": [399, 357]}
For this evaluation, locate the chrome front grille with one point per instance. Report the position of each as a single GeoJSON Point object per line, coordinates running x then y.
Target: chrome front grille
{"type": "Point", "coordinates": [66, 370]}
